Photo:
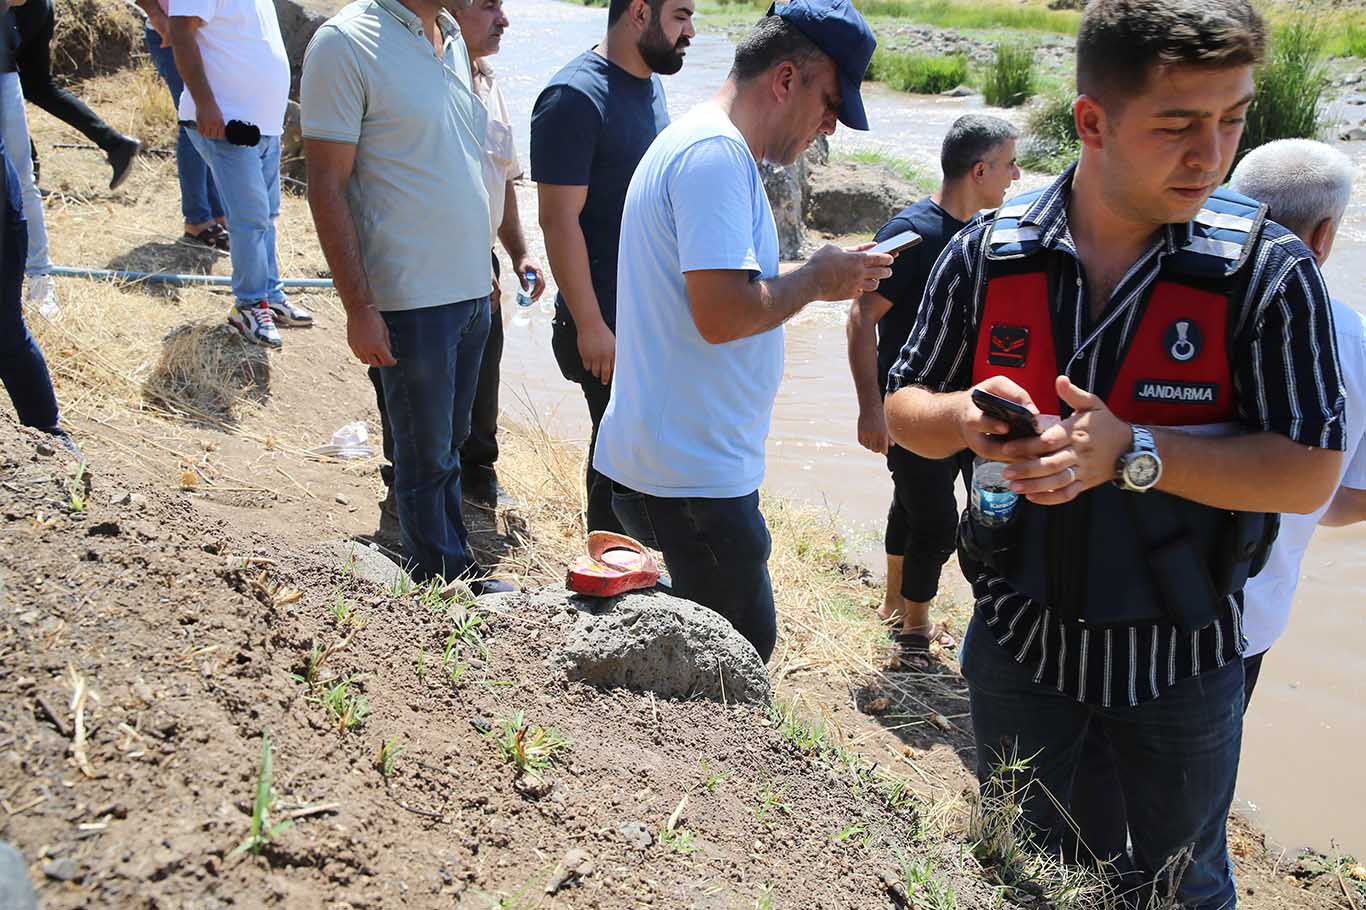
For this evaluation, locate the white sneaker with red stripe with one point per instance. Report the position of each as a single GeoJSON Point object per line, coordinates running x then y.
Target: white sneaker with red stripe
{"type": "Point", "coordinates": [256, 324]}
{"type": "Point", "coordinates": [289, 314]}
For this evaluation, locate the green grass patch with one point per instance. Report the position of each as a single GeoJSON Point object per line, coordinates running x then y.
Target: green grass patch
{"type": "Point", "coordinates": [1010, 79]}
{"type": "Point", "coordinates": [925, 74]}
{"type": "Point", "coordinates": [899, 166]}
{"type": "Point", "coordinates": [998, 14]}
{"type": "Point", "coordinates": [1050, 139]}
{"type": "Point", "coordinates": [1290, 88]}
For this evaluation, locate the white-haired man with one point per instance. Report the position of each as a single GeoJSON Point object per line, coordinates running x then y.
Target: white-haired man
{"type": "Point", "coordinates": [1306, 186]}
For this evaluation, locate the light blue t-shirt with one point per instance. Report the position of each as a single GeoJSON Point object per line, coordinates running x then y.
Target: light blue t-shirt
{"type": "Point", "coordinates": [689, 418]}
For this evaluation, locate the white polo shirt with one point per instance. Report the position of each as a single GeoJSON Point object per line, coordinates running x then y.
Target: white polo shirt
{"type": "Point", "coordinates": [1268, 597]}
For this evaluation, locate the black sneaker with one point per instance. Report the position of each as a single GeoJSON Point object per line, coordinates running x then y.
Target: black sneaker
{"type": "Point", "coordinates": [121, 160]}
{"type": "Point", "coordinates": [479, 485]}
{"type": "Point", "coordinates": [388, 534]}
{"type": "Point", "coordinates": [481, 583]}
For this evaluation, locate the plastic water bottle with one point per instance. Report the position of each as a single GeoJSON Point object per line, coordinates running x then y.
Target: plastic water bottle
{"type": "Point", "coordinates": [524, 294]}
{"type": "Point", "coordinates": [992, 502]}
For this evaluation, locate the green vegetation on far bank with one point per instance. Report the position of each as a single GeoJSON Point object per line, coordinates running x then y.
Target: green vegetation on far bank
{"type": "Point", "coordinates": [1290, 88]}
{"type": "Point", "coordinates": [987, 14]}
{"type": "Point", "coordinates": [899, 166]}
{"type": "Point", "coordinates": [926, 74]}
{"type": "Point", "coordinates": [1010, 80]}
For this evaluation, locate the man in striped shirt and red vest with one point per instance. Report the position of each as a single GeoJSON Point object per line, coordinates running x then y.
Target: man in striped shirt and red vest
{"type": "Point", "coordinates": [1179, 350]}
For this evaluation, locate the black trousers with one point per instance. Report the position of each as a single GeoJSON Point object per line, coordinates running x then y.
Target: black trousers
{"type": "Point", "coordinates": [36, 21]}
{"type": "Point", "coordinates": [480, 450]}
{"type": "Point", "coordinates": [922, 523]}
{"type": "Point", "coordinates": [564, 342]}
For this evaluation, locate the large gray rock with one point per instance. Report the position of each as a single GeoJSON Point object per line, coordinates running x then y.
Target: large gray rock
{"type": "Point", "coordinates": [645, 641]}
{"type": "Point", "coordinates": [785, 196]}
{"type": "Point", "coordinates": [852, 197]}
{"type": "Point", "coordinates": [297, 25]}
{"type": "Point", "coordinates": [362, 561]}
{"type": "Point", "coordinates": [16, 891]}
{"type": "Point", "coordinates": [789, 195]}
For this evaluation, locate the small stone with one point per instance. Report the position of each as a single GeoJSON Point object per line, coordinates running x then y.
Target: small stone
{"type": "Point", "coordinates": [575, 864]}
{"type": "Point", "coordinates": [341, 498]}
{"type": "Point", "coordinates": [1355, 134]}
{"type": "Point", "coordinates": [533, 787]}
{"type": "Point", "coordinates": [636, 835]}
{"type": "Point", "coordinates": [120, 498]}
{"type": "Point", "coordinates": [45, 448]}
{"type": "Point", "coordinates": [961, 91]}
{"type": "Point", "coordinates": [1351, 79]}
{"type": "Point", "coordinates": [62, 870]}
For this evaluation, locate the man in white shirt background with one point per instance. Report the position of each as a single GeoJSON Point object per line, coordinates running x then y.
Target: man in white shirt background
{"type": "Point", "coordinates": [232, 58]}
{"type": "Point", "coordinates": [1306, 186]}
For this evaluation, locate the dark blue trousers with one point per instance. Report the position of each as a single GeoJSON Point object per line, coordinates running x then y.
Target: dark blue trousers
{"type": "Point", "coordinates": [428, 396]}
{"type": "Point", "coordinates": [716, 551]}
{"type": "Point", "coordinates": [22, 367]}
{"type": "Point", "coordinates": [1176, 757]}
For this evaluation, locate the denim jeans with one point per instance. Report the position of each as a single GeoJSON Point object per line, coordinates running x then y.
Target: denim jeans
{"type": "Point", "coordinates": [248, 182]}
{"type": "Point", "coordinates": [716, 551]}
{"type": "Point", "coordinates": [22, 367]}
{"type": "Point", "coordinates": [14, 130]}
{"type": "Point", "coordinates": [428, 396]}
{"type": "Point", "coordinates": [1177, 760]}
{"type": "Point", "coordinates": [199, 202]}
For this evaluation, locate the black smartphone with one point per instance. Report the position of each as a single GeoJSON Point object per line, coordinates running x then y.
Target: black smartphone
{"type": "Point", "coordinates": [1020, 419]}
{"type": "Point", "coordinates": [239, 132]}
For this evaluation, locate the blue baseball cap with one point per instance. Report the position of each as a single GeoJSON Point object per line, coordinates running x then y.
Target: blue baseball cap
{"type": "Point", "coordinates": [841, 32]}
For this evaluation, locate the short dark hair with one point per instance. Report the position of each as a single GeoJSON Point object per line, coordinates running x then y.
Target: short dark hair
{"type": "Point", "coordinates": [1121, 40]}
{"type": "Point", "coordinates": [617, 8]}
{"type": "Point", "coordinates": [969, 140]}
{"type": "Point", "coordinates": [773, 40]}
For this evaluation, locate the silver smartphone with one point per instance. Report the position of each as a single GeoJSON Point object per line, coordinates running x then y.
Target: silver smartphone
{"type": "Point", "coordinates": [898, 242]}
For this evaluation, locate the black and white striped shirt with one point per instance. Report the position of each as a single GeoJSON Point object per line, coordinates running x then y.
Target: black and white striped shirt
{"type": "Point", "coordinates": [1285, 377]}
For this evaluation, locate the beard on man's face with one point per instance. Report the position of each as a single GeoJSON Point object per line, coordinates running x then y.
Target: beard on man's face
{"type": "Point", "coordinates": [659, 53]}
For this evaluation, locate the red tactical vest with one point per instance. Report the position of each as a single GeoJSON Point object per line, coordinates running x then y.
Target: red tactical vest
{"type": "Point", "coordinates": [1175, 372]}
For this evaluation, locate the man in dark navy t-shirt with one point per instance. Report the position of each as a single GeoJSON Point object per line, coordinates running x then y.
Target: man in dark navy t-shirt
{"type": "Point", "coordinates": [978, 160]}
{"type": "Point", "coordinates": [589, 129]}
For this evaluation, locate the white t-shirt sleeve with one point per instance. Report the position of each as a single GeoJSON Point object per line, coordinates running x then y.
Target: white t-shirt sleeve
{"type": "Point", "coordinates": [203, 9]}
{"type": "Point", "coordinates": [711, 191]}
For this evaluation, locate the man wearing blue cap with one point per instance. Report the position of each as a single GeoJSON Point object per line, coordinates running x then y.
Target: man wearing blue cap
{"type": "Point", "coordinates": [700, 307]}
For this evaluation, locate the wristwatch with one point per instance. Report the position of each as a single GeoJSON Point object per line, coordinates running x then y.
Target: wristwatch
{"type": "Point", "coordinates": [1140, 468]}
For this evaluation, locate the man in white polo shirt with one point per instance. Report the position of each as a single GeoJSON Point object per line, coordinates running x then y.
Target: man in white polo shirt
{"type": "Point", "coordinates": [1306, 186]}
{"type": "Point", "coordinates": [231, 56]}
{"type": "Point", "coordinates": [700, 307]}
{"type": "Point", "coordinates": [394, 139]}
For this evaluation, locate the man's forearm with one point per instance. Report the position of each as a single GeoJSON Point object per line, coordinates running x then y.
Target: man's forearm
{"type": "Point", "coordinates": [1256, 472]}
{"type": "Point", "coordinates": [568, 252]}
{"type": "Point", "coordinates": [927, 423]}
{"type": "Point", "coordinates": [861, 333]}
{"type": "Point", "coordinates": [341, 245]}
{"type": "Point", "coordinates": [189, 63]}
{"type": "Point", "coordinates": [1348, 508]}
{"type": "Point", "coordinates": [510, 231]}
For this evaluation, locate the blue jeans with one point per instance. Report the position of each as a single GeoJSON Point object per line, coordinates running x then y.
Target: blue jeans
{"type": "Point", "coordinates": [22, 367]}
{"type": "Point", "coordinates": [716, 551]}
{"type": "Point", "coordinates": [428, 396]}
{"type": "Point", "coordinates": [198, 197]}
{"type": "Point", "coordinates": [14, 130]}
{"type": "Point", "coordinates": [248, 181]}
{"type": "Point", "coordinates": [1177, 760]}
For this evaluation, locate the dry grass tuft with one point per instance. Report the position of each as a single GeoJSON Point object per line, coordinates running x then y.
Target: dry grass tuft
{"type": "Point", "coordinates": [93, 37]}
{"type": "Point", "coordinates": [206, 369]}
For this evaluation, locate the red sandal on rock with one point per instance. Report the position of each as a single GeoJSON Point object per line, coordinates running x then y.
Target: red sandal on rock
{"type": "Point", "coordinates": [614, 565]}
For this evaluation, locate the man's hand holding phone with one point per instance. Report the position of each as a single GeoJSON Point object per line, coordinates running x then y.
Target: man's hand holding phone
{"type": "Point", "coordinates": [987, 433]}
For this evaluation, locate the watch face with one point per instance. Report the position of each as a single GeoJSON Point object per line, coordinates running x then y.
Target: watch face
{"type": "Point", "coordinates": [1141, 470]}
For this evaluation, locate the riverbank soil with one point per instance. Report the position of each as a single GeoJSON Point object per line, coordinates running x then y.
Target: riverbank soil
{"type": "Point", "coordinates": [190, 589]}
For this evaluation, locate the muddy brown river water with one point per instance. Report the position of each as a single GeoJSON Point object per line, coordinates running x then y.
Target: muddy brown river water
{"type": "Point", "coordinates": [1306, 730]}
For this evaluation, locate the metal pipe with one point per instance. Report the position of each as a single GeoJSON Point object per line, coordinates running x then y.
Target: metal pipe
{"type": "Point", "coordinates": [176, 280]}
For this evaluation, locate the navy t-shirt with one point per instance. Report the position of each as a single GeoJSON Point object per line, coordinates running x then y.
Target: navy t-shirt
{"type": "Point", "coordinates": [910, 274]}
{"type": "Point", "coordinates": [591, 125]}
